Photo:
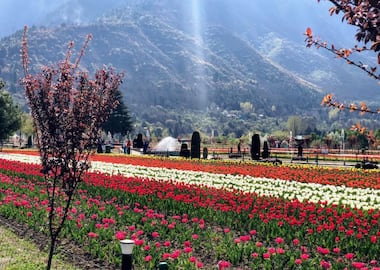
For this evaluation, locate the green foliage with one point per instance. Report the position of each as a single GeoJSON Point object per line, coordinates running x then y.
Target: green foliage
{"type": "Point", "coordinates": [10, 114]}
{"type": "Point", "coordinates": [246, 107]}
{"type": "Point", "coordinates": [27, 124]}
{"type": "Point", "coordinates": [297, 125]}
{"type": "Point", "coordinates": [119, 120]}
{"type": "Point", "coordinates": [377, 134]}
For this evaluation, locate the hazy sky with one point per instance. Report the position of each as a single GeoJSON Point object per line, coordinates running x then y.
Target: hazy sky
{"type": "Point", "coordinates": [14, 14]}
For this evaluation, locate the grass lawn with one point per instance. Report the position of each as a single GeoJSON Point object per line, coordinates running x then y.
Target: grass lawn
{"type": "Point", "coordinates": [17, 253]}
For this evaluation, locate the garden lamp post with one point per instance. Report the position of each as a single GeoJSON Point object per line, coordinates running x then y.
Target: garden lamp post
{"type": "Point", "coordinates": [163, 266]}
{"type": "Point", "coordinates": [342, 137]}
{"type": "Point", "coordinates": [126, 251]}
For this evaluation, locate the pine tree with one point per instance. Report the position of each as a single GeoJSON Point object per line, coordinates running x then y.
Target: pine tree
{"type": "Point", "coordinates": [10, 114]}
{"type": "Point", "coordinates": [119, 120]}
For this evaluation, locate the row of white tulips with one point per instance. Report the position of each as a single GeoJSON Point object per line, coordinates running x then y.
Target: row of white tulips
{"type": "Point", "coordinates": [353, 197]}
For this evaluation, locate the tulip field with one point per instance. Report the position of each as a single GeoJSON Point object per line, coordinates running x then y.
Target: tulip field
{"type": "Point", "coordinates": [208, 214]}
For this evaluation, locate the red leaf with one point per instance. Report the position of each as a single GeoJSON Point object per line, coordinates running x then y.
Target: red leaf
{"type": "Point", "coordinates": [332, 10]}
{"type": "Point", "coordinates": [309, 32]}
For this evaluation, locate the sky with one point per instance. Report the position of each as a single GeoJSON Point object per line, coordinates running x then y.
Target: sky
{"type": "Point", "coordinates": [14, 14]}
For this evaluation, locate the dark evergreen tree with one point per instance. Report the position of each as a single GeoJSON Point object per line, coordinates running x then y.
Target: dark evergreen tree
{"type": "Point", "coordinates": [10, 114]}
{"type": "Point", "coordinates": [138, 142]}
{"type": "Point", "coordinates": [255, 147]}
{"type": "Point", "coordinates": [120, 119]}
{"type": "Point", "coordinates": [195, 145]}
{"type": "Point", "coordinates": [205, 152]}
{"type": "Point", "coordinates": [184, 151]}
{"type": "Point", "coordinates": [265, 150]}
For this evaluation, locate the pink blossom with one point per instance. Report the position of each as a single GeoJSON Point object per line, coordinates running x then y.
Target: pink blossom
{"type": "Point", "coordinates": [323, 251]}
{"type": "Point", "coordinates": [358, 265]}
{"type": "Point", "coordinates": [195, 219]}
{"type": "Point", "coordinates": [266, 256]}
{"type": "Point", "coordinates": [139, 242]}
{"type": "Point", "coordinates": [175, 254]}
{"type": "Point", "coordinates": [237, 240]}
{"type": "Point", "coordinates": [245, 238]}
{"type": "Point", "coordinates": [325, 264]}
{"type": "Point", "coordinates": [195, 236]}
{"type": "Point", "coordinates": [255, 255]}
{"type": "Point", "coordinates": [92, 235]}
{"type": "Point", "coordinates": [188, 250]}
{"type": "Point", "coordinates": [223, 264]}
{"type": "Point", "coordinates": [166, 256]}
{"type": "Point", "coordinates": [167, 244]}
{"type": "Point", "coordinates": [350, 256]}
{"type": "Point", "coordinates": [120, 235]}
{"type": "Point", "coordinates": [336, 250]}
{"type": "Point", "coordinates": [374, 239]}
{"type": "Point", "coordinates": [279, 240]}
{"type": "Point", "coordinates": [187, 243]}
{"type": "Point", "coordinates": [164, 222]}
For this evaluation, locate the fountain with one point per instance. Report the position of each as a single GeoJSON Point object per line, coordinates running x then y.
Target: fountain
{"type": "Point", "coordinates": [166, 145]}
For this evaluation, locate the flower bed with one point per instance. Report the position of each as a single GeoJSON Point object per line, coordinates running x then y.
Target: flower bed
{"type": "Point", "coordinates": [196, 219]}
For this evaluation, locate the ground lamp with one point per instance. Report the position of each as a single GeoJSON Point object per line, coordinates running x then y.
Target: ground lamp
{"type": "Point", "coordinates": [163, 266]}
{"type": "Point", "coordinates": [126, 251]}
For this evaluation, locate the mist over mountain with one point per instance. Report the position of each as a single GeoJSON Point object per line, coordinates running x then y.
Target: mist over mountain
{"type": "Point", "coordinates": [194, 55]}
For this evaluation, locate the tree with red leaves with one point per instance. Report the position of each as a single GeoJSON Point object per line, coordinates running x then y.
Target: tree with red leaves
{"type": "Point", "coordinates": [365, 16]}
{"type": "Point", "coordinates": [68, 110]}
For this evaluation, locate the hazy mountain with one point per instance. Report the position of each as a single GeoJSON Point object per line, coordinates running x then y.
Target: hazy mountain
{"type": "Point", "coordinates": [196, 54]}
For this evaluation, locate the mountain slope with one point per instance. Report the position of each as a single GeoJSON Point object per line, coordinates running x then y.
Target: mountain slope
{"type": "Point", "coordinates": [167, 67]}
